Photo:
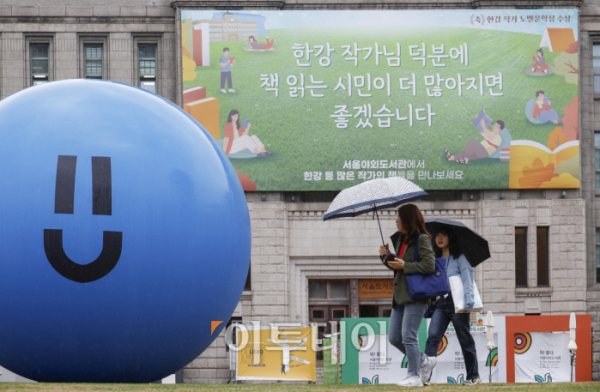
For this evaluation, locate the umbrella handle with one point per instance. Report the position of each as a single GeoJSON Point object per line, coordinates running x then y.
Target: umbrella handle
{"type": "Point", "coordinates": [380, 232]}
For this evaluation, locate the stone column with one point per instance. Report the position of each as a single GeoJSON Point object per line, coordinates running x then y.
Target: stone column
{"type": "Point", "coordinates": [354, 309]}
{"type": "Point", "coordinates": [13, 63]}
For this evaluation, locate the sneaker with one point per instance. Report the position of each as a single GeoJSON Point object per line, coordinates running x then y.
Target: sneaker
{"type": "Point", "coordinates": [545, 70]}
{"type": "Point", "coordinates": [474, 381]}
{"type": "Point", "coordinates": [412, 381]}
{"type": "Point", "coordinates": [427, 368]}
{"type": "Point", "coordinates": [533, 70]}
{"type": "Point", "coordinates": [231, 90]}
{"type": "Point", "coordinates": [224, 91]}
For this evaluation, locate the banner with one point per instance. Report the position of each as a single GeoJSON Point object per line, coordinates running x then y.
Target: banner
{"type": "Point", "coordinates": [331, 360]}
{"type": "Point", "coordinates": [450, 367]}
{"type": "Point", "coordinates": [323, 100]}
{"type": "Point", "coordinates": [536, 347]}
{"type": "Point", "coordinates": [371, 370]}
{"type": "Point", "coordinates": [542, 357]}
{"type": "Point", "coordinates": [365, 345]}
{"type": "Point", "coordinates": [284, 354]}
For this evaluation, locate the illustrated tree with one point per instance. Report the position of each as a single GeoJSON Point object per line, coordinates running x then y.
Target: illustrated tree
{"type": "Point", "coordinates": [567, 64]}
{"type": "Point", "coordinates": [189, 69]}
{"type": "Point", "coordinates": [537, 174]}
{"type": "Point", "coordinates": [556, 138]}
{"type": "Point", "coordinates": [571, 120]}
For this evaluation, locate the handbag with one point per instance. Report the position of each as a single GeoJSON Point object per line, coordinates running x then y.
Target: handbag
{"type": "Point", "coordinates": [458, 296]}
{"type": "Point", "coordinates": [421, 286]}
{"type": "Point", "coordinates": [430, 309]}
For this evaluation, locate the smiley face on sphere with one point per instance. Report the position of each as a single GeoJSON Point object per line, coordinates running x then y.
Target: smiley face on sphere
{"type": "Point", "coordinates": [116, 209]}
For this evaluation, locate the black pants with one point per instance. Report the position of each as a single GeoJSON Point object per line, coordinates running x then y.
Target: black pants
{"type": "Point", "coordinates": [226, 77]}
{"type": "Point", "coordinates": [442, 315]}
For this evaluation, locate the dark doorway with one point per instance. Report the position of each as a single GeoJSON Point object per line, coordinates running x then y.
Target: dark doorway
{"type": "Point", "coordinates": [368, 311]}
{"type": "Point", "coordinates": [374, 310]}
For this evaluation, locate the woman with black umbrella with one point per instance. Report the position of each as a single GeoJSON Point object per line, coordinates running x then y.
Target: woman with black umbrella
{"type": "Point", "coordinates": [447, 245]}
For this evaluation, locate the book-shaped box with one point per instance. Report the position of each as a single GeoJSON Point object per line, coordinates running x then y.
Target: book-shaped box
{"type": "Point", "coordinates": [206, 112]}
{"type": "Point", "coordinates": [194, 94]}
{"type": "Point", "coordinates": [245, 123]}
{"type": "Point", "coordinates": [557, 39]}
{"type": "Point", "coordinates": [532, 165]}
{"type": "Point", "coordinates": [477, 121]}
{"type": "Point", "coordinates": [201, 44]}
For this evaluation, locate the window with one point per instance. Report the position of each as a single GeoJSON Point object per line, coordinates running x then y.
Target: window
{"type": "Point", "coordinates": [521, 256]}
{"type": "Point", "coordinates": [317, 289]}
{"type": "Point", "coordinates": [93, 61]}
{"type": "Point", "coordinates": [596, 54]}
{"type": "Point", "coordinates": [597, 158]}
{"type": "Point", "coordinates": [332, 289]}
{"type": "Point", "coordinates": [147, 55]}
{"type": "Point", "coordinates": [543, 279]}
{"type": "Point", "coordinates": [248, 285]}
{"type": "Point", "coordinates": [39, 53]}
{"type": "Point", "coordinates": [338, 289]}
{"type": "Point", "coordinates": [597, 255]}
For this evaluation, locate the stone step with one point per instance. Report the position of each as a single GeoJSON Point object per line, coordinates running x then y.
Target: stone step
{"type": "Point", "coordinates": [319, 375]}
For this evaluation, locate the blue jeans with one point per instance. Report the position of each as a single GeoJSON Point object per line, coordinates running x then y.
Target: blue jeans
{"type": "Point", "coordinates": [442, 315]}
{"type": "Point", "coordinates": [405, 321]}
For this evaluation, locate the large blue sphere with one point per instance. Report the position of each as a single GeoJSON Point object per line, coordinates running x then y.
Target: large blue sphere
{"type": "Point", "coordinates": [124, 232]}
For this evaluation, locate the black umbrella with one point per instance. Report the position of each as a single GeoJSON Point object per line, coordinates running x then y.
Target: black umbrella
{"type": "Point", "coordinates": [474, 247]}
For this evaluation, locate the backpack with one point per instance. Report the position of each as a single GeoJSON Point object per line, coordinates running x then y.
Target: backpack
{"type": "Point", "coordinates": [428, 286]}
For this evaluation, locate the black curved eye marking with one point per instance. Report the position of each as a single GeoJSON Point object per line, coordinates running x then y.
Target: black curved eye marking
{"type": "Point", "coordinates": [102, 205]}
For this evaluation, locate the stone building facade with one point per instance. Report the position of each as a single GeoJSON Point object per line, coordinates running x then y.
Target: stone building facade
{"type": "Point", "coordinates": [67, 26]}
{"type": "Point", "coordinates": [292, 246]}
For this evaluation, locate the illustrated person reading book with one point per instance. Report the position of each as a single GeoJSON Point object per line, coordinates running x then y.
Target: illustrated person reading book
{"type": "Point", "coordinates": [542, 109]}
{"type": "Point", "coordinates": [226, 64]}
{"type": "Point", "coordinates": [254, 45]}
{"type": "Point", "coordinates": [480, 149]}
{"type": "Point", "coordinates": [540, 62]}
{"type": "Point", "coordinates": [235, 137]}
